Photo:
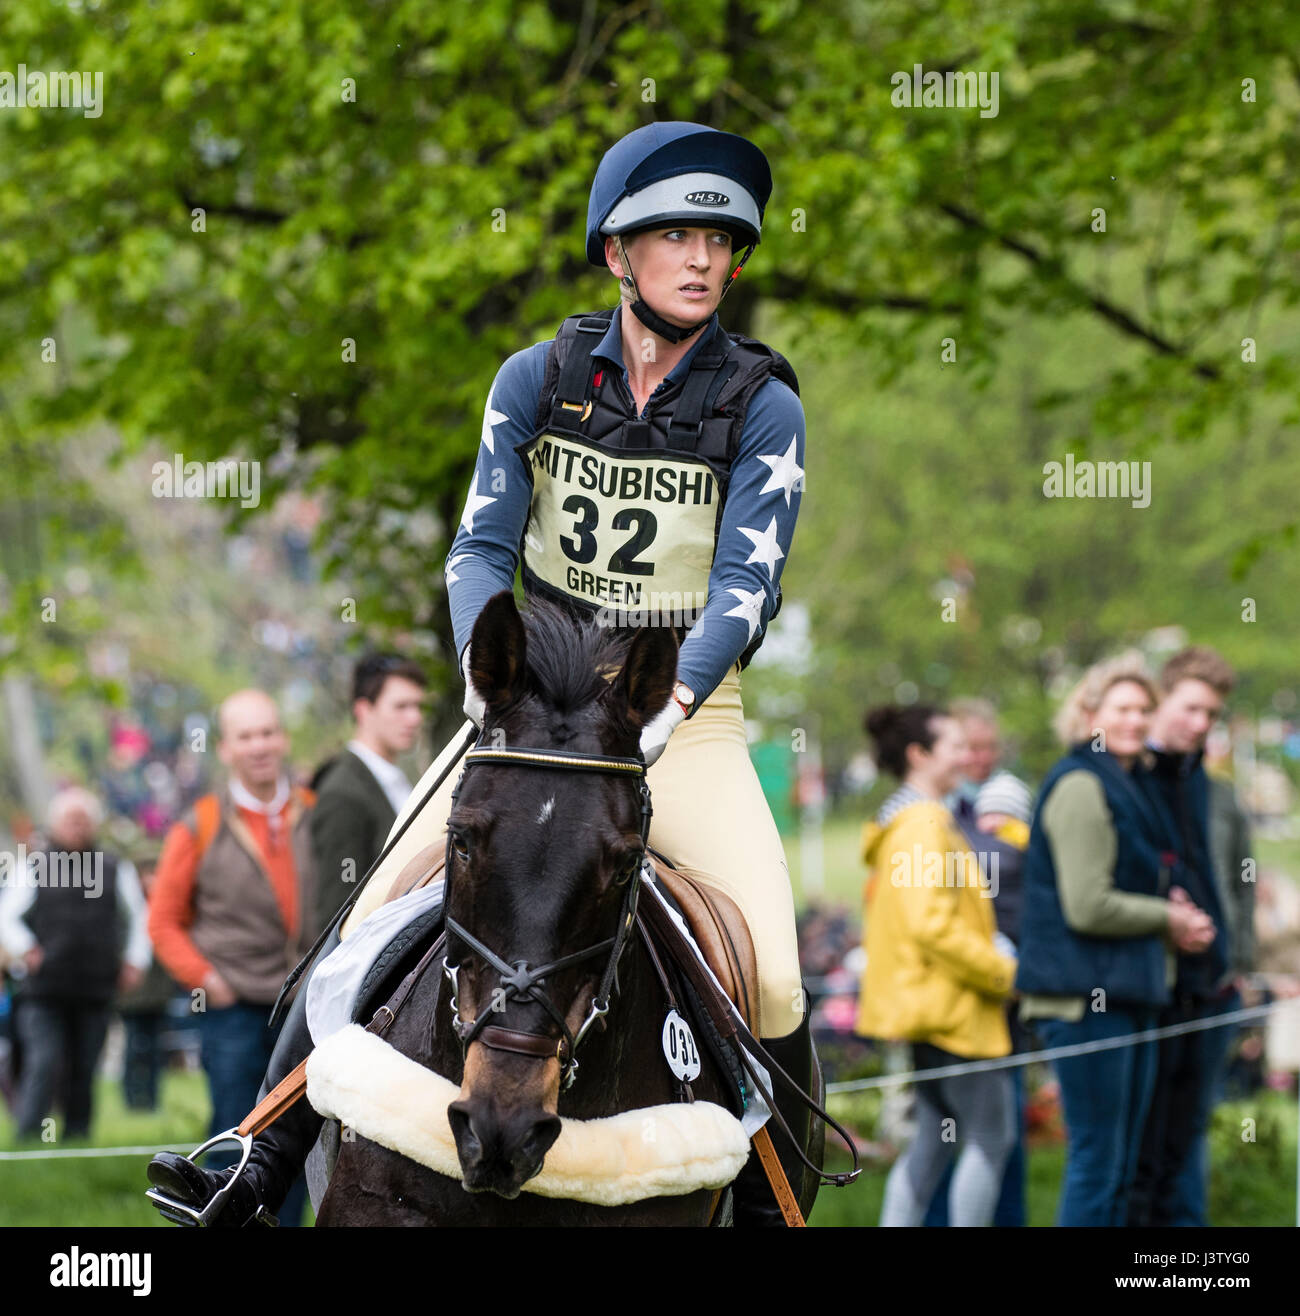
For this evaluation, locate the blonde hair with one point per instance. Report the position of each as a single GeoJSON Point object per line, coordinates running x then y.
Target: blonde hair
{"type": "Point", "coordinates": [1074, 719]}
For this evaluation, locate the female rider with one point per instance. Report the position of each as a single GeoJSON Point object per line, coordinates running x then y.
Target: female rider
{"type": "Point", "coordinates": [605, 455]}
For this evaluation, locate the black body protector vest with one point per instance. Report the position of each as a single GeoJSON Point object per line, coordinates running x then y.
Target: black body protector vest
{"type": "Point", "coordinates": [625, 509]}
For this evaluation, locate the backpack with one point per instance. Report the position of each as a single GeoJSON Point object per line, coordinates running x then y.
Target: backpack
{"type": "Point", "coordinates": [207, 820]}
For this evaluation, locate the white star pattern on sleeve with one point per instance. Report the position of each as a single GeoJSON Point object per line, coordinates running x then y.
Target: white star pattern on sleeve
{"type": "Point", "coordinates": [749, 609]}
{"type": "Point", "coordinates": [766, 549]}
{"type": "Point", "coordinates": [491, 417]}
{"type": "Point", "coordinates": [472, 505]}
{"type": "Point", "coordinates": [787, 474]}
{"type": "Point", "coordinates": [452, 577]}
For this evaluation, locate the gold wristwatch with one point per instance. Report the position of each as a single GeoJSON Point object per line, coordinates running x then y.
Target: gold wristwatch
{"type": "Point", "coordinates": [685, 697]}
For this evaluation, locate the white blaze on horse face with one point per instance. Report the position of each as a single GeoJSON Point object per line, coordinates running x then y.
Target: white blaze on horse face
{"type": "Point", "coordinates": [546, 810]}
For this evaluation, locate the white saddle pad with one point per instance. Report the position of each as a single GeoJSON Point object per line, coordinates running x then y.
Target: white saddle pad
{"type": "Point", "coordinates": [658, 1151]}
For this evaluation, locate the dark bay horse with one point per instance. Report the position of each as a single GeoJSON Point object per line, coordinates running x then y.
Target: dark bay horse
{"type": "Point", "coordinates": [539, 864]}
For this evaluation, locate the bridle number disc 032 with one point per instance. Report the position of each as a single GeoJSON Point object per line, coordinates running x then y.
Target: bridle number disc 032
{"type": "Point", "coordinates": [679, 1048]}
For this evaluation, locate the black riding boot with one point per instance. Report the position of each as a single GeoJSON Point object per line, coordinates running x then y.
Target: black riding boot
{"type": "Point", "coordinates": [279, 1152]}
{"type": "Point", "coordinates": [755, 1204]}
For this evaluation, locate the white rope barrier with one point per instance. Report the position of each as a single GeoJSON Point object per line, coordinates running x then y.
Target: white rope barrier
{"type": "Point", "coordinates": [1078, 1049]}
{"type": "Point", "coordinates": [68, 1153]}
{"type": "Point", "coordinates": [832, 1089]}
{"type": "Point", "coordinates": [1054, 1053]}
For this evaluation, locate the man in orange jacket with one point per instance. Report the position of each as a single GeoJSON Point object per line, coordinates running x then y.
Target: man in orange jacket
{"type": "Point", "coordinates": [233, 905]}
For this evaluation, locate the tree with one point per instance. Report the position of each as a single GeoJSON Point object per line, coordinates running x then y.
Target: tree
{"type": "Point", "coordinates": [311, 235]}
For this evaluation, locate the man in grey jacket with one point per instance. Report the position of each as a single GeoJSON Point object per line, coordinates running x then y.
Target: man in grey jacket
{"type": "Point", "coordinates": [360, 793]}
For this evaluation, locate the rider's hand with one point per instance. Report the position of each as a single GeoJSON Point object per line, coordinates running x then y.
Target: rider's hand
{"type": "Point", "coordinates": [474, 706]}
{"type": "Point", "coordinates": [655, 733]}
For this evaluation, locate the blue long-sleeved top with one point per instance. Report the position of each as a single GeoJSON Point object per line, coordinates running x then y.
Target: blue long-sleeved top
{"type": "Point", "coordinates": [758, 517]}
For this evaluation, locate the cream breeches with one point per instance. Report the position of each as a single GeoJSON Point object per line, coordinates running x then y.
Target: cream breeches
{"type": "Point", "coordinates": [710, 818]}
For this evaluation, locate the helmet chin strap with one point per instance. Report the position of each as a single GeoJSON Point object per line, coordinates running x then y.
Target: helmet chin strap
{"type": "Point", "coordinates": [656, 323]}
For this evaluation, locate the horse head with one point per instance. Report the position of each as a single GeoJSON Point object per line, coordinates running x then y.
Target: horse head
{"type": "Point", "coordinates": [540, 861]}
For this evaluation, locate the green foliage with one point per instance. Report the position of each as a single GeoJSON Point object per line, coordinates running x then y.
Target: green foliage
{"type": "Point", "coordinates": [269, 182]}
{"type": "Point", "coordinates": [928, 554]}
{"type": "Point", "coordinates": [1260, 1172]}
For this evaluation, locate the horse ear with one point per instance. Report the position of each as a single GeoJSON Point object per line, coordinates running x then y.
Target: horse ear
{"type": "Point", "coordinates": [648, 675]}
{"type": "Point", "coordinates": [496, 650]}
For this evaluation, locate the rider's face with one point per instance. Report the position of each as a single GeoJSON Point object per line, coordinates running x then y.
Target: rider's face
{"type": "Point", "coordinates": [670, 264]}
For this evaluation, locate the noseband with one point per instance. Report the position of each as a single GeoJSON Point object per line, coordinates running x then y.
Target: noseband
{"type": "Point", "coordinates": [520, 981]}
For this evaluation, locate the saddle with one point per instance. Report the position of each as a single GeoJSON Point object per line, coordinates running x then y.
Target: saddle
{"type": "Point", "coordinates": [720, 933]}
{"type": "Point", "coordinates": [714, 919]}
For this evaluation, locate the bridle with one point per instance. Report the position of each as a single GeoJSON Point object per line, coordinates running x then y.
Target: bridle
{"type": "Point", "coordinates": [521, 981]}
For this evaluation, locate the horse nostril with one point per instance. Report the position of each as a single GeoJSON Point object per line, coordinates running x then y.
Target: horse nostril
{"type": "Point", "coordinates": [541, 1138]}
{"type": "Point", "coordinates": [468, 1145]}
{"type": "Point", "coordinates": [497, 1156]}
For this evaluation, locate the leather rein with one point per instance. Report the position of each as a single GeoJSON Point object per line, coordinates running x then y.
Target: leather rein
{"type": "Point", "coordinates": [519, 980]}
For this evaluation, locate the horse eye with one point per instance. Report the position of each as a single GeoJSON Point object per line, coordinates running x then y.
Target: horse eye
{"type": "Point", "coordinates": [460, 848]}
{"type": "Point", "coordinates": [627, 869]}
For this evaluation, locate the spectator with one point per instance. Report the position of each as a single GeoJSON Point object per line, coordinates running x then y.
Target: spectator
{"type": "Point", "coordinates": [979, 727]}
{"type": "Point", "coordinates": [9, 1051]}
{"type": "Point", "coordinates": [1193, 686]}
{"type": "Point", "coordinates": [1003, 808]}
{"type": "Point", "coordinates": [1092, 954]}
{"type": "Point", "coordinates": [1230, 849]}
{"type": "Point", "coordinates": [360, 793]}
{"type": "Point", "coordinates": [933, 977]}
{"type": "Point", "coordinates": [1237, 883]}
{"type": "Point", "coordinates": [60, 920]}
{"type": "Point", "coordinates": [233, 907]}
{"type": "Point", "coordinates": [996, 840]}
{"type": "Point", "coordinates": [144, 1016]}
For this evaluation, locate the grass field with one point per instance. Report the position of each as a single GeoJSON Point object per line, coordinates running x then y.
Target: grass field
{"type": "Point", "coordinates": [108, 1190]}
{"type": "Point", "coordinates": [1252, 1183]}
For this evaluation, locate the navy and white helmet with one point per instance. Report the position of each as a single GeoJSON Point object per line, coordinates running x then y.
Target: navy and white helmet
{"type": "Point", "coordinates": [686, 173]}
